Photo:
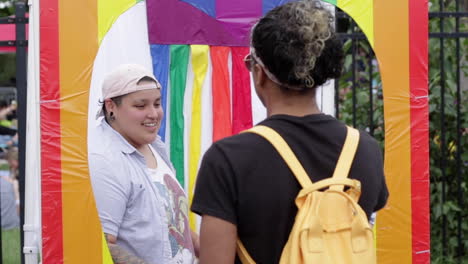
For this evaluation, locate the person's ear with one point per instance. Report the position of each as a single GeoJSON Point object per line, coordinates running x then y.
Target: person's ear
{"type": "Point", "coordinates": [260, 76]}
{"type": "Point", "coordinates": [110, 105]}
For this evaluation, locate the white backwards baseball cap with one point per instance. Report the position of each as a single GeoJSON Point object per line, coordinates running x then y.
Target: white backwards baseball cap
{"type": "Point", "coordinates": [126, 79]}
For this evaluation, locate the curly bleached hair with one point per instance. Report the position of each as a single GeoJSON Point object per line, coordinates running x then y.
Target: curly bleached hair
{"type": "Point", "coordinates": [297, 44]}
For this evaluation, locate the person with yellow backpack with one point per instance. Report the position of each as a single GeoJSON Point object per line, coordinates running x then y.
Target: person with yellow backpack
{"type": "Point", "coordinates": [300, 187]}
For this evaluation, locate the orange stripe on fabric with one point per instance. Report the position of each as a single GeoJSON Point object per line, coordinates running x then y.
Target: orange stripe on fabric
{"type": "Point", "coordinates": [78, 48]}
{"type": "Point", "coordinates": [419, 130]}
{"type": "Point", "coordinates": [241, 94]}
{"type": "Point", "coordinates": [51, 181]}
{"type": "Point", "coordinates": [222, 126]}
{"type": "Point", "coordinates": [392, 51]}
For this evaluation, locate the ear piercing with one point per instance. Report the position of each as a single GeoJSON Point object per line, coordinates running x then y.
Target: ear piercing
{"type": "Point", "coordinates": [111, 116]}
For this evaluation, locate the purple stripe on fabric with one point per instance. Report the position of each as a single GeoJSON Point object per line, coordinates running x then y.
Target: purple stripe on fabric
{"type": "Point", "coordinates": [238, 16]}
{"type": "Point", "coordinates": [178, 22]}
{"type": "Point", "coordinates": [238, 9]}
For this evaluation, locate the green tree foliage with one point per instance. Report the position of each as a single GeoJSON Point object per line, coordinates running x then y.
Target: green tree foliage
{"type": "Point", "coordinates": [7, 61]}
{"type": "Point", "coordinates": [6, 8]}
{"type": "Point", "coordinates": [8, 71]}
{"type": "Point", "coordinates": [355, 100]}
{"type": "Point", "coordinates": [447, 140]}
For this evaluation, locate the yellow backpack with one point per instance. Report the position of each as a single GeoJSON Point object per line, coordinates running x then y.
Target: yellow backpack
{"type": "Point", "coordinates": [330, 227]}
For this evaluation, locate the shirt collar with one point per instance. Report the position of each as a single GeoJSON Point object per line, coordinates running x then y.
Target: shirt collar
{"type": "Point", "coordinates": [119, 141]}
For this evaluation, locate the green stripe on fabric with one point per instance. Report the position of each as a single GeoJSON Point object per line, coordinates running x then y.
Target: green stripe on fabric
{"type": "Point", "coordinates": [333, 2]}
{"type": "Point", "coordinates": [178, 76]}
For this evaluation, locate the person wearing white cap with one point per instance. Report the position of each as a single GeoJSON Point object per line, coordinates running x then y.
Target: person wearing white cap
{"type": "Point", "coordinates": [142, 208]}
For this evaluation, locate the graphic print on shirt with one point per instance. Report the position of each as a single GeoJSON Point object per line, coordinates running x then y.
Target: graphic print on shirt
{"type": "Point", "coordinates": [176, 207]}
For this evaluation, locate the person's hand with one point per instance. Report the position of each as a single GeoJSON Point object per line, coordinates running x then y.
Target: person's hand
{"type": "Point", "coordinates": [13, 105]}
{"type": "Point", "coordinates": [13, 142]}
{"type": "Point", "coordinates": [10, 143]}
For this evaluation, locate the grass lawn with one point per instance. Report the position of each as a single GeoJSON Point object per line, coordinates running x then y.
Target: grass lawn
{"type": "Point", "coordinates": [4, 166]}
{"type": "Point", "coordinates": [11, 246]}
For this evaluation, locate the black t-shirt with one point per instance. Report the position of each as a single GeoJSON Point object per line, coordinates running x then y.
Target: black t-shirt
{"type": "Point", "coordinates": [243, 180]}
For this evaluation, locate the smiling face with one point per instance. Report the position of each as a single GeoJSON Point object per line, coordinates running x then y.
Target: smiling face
{"type": "Point", "coordinates": [138, 116]}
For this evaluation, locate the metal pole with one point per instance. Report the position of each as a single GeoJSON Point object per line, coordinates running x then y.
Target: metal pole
{"type": "Point", "coordinates": [1, 231]}
{"type": "Point", "coordinates": [442, 132]}
{"type": "Point", "coordinates": [371, 92]}
{"type": "Point", "coordinates": [32, 203]}
{"type": "Point", "coordinates": [21, 43]}
{"type": "Point", "coordinates": [460, 248]}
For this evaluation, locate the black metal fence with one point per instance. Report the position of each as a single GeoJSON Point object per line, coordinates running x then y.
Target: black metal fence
{"type": "Point", "coordinates": [20, 42]}
{"type": "Point", "coordinates": [449, 118]}
{"type": "Point", "coordinates": [358, 101]}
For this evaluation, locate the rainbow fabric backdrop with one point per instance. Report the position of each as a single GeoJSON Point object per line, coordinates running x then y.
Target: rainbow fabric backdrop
{"type": "Point", "coordinates": [195, 48]}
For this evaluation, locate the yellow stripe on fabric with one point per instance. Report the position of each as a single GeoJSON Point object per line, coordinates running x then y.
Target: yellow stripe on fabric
{"type": "Point", "coordinates": [82, 234]}
{"type": "Point", "coordinates": [200, 67]}
{"type": "Point", "coordinates": [106, 256]}
{"type": "Point", "coordinates": [109, 11]}
{"type": "Point", "coordinates": [394, 229]}
{"type": "Point", "coordinates": [362, 11]}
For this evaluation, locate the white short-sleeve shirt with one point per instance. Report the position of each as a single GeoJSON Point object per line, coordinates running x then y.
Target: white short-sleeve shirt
{"type": "Point", "coordinates": [146, 210]}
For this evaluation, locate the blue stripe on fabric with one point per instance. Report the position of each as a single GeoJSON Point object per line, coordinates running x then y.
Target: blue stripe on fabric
{"type": "Point", "coordinates": [160, 57]}
{"type": "Point", "coordinates": [207, 6]}
{"type": "Point", "coordinates": [267, 5]}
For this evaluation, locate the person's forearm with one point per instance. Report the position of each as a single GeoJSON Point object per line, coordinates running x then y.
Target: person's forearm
{"type": "Point", "coordinates": [4, 112]}
{"type": "Point", "coordinates": [217, 241]}
{"type": "Point", "coordinates": [120, 255]}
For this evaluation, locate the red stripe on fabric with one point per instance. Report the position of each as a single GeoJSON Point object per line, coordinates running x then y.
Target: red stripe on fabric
{"type": "Point", "coordinates": [418, 37]}
{"type": "Point", "coordinates": [222, 126]}
{"type": "Point", "coordinates": [52, 226]}
{"type": "Point", "coordinates": [241, 98]}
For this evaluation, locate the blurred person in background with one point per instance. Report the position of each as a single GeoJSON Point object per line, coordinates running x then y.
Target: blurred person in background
{"type": "Point", "coordinates": [9, 209]}
{"type": "Point", "coordinates": [13, 165]}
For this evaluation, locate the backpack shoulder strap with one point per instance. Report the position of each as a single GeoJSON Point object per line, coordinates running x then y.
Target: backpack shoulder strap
{"type": "Point", "coordinates": [285, 151]}
{"type": "Point", "coordinates": [244, 256]}
{"type": "Point", "coordinates": [291, 160]}
{"type": "Point", "coordinates": [346, 157]}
